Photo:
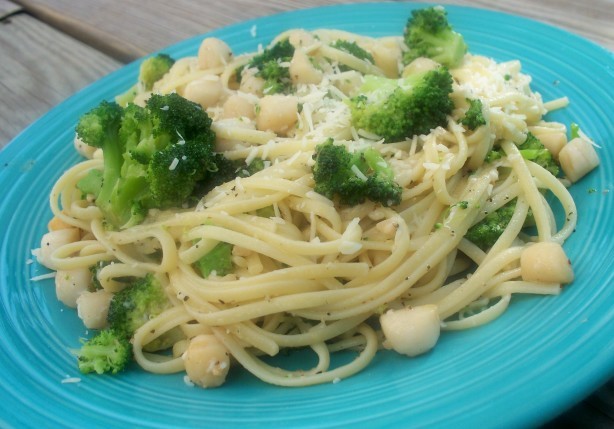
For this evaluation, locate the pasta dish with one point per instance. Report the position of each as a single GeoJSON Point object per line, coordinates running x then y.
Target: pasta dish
{"type": "Point", "coordinates": [382, 191]}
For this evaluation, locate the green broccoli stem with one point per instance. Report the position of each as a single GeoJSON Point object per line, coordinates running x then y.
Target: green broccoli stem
{"type": "Point", "coordinates": [377, 163]}
{"type": "Point", "coordinates": [113, 160]}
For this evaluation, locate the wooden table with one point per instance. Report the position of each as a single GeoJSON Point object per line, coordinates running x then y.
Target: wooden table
{"type": "Point", "coordinates": [52, 48]}
{"type": "Point", "coordinates": [49, 49]}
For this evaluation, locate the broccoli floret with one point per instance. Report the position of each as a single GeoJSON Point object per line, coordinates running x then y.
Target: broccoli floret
{"type": "Point", "coordinates": [354, 177]}
{"type": "Point", "coordinates": [352, 48]}
{"type": "Point", "coordinates": [474, 117]}
{"type": "Point", "coordinates": [493, 155]}
{"type": "Point", "coordinates": [269, 67]}
{"type": "Point", "coordinates": [485, 233]}
{"type": "Point", "coordinates": [106, 352]}
{"type": "Point", "coordinates": [218, 260]}
{"type": "Point", "coordinates": [100, 128]}
{"type": "Point", "coordinates": [429, 34]}
{"type": "Point", "coordinates": [154, 157]}
{"type": "Point", "coordinates": [91, 183]}
{"type": "Point", "coordinates": [152, 70]}
{"type": "Point", "coordinates": [534, 150]}
{"type": "Point", "coordinates": [110, 350]}
{"type": "Point", "coordinates": [276, 78]}
{"type": "Point", "coordinates": [396, 109]}
{"type": "Point", "coordinates": [95, 271]}
{"type": "Point", "coordinates": [134, 305]}
{"type": "Point", "coordinates": [256, 165]}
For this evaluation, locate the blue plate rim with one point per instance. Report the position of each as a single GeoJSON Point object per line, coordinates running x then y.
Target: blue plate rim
{"type": "Point", "coordinates": [591, 379]}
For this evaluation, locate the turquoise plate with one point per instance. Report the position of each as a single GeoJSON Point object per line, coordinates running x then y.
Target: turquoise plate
{"type": "Point", "coordinates": [543, 355]}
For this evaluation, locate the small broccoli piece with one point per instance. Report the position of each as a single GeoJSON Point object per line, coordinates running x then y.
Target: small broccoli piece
{"type": "Point", "coordinates": [106, 352]}
{"type": "Point", "coordinates": [155, 156]}
{"type": "Point", "coordinates": [280, 51]}
{"type": "Point", "coordinates": [429, 34]}
{"type": "Point", "coordinates": [354, 177]}
{"type": "Point", "coordinates": [574, 131]}
{"type": "Point", "coordinates": [153, 69]}
{"type": "Point", "coordinates": [485, 233]}
{"type": "Point", "coordinates": [94, 270]}
{"type": "Point", "coordinates": [91, 183]}
{"type": "Point", "coordinates": [276, 78]}
{"type": "Point", "coordinates": [133, 306]}
{"type": "Point", "coordinates": [174, 172]}
{"type": "Point", "coordinates": [534, 150]}
{"type": "Point", "coordinates": [246, 170]}
{"type": "Point", "coordinates": [352, 48]}
{"type": "Point", "coordinates": [218, 260]}
{"type": "Point", "coordinates": [396, 109]}
{"type": "Point", "coordinates": [493, 155]}
{"type": "Point", "coordinates": [269, 67]}
{"type": "Point", "coordinates": [139, 302]}
{"type": "Point", "coordinates": [474, 117]}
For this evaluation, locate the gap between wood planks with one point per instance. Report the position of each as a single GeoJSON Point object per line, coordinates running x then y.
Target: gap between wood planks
{"type": "Point", "coordinates": [106, 43]}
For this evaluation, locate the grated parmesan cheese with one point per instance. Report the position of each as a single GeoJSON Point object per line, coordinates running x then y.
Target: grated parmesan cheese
{"type": "Point", "coordinates": [359, 173]}
{"type": "Point", "coordinates": [253, 153]}
{"type": "Point", "coordinates": [43, 277]}
{"type": "Point", "coordinates": [187, 381]}
{"type": "Point", "coordinates": [174, 164]}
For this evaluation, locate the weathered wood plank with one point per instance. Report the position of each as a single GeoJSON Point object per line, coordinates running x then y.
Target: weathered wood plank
{"type": "Point", "coordinates": [40, 67]}
{"type": "Point", "coordinates": [591, 19]}
{"type": "Point", "coordinates": [97, 23]}
{"type": "Point", "coordinates": [8, 8]}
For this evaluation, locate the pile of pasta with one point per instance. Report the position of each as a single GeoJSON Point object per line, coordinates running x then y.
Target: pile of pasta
{"type": "Point", "coordinates": [316, 274]}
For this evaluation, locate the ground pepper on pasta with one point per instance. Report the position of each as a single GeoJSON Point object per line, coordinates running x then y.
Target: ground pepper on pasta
{"type": "Point", "coordinates": [349, 194]}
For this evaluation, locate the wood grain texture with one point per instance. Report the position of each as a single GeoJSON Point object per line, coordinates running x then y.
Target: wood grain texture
{"type": "Point", "coordinates": [8, 8]}
{"type": "Point", "coordinates": [592, 19]}
{"type": "Point", "coordinates": [40, 67]}
{"type": "Point", "coordinates": [140, 29]}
